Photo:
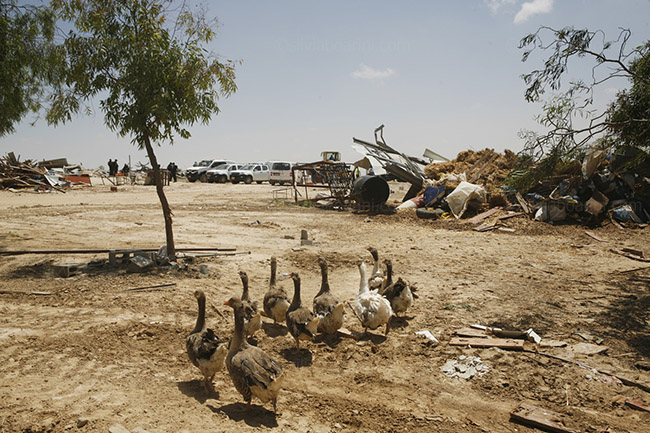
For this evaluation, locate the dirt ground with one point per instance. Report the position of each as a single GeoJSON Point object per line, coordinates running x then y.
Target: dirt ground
{"type": "Point", "coordinates": [90, 354]}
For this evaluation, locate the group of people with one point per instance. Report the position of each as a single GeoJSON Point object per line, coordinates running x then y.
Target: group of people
{"type": "Point", "coordinates": [114, 168]}
{"type": "Point", "coordinates": [172, 168]}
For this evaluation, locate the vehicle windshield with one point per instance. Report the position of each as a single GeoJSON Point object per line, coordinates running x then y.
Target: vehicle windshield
{"type": "Point", "coordinates": [248, 167]}
{"type": "Point", "coordinates": [204, 163]}
{"type": "Point", "coordinates": [221, 167]}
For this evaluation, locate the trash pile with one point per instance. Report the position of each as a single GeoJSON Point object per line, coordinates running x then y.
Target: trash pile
{"type": "Point", "coordinates": [50, 175]}
{"type": "Point", "coordinates": [600, 188]}
{"type": "Point", "coordinates": [486, 166]}
{"type": "Point", "coordinates": [26, 174]}
{"type": "Point", "coordinates": [590, 191]}
{"type": "Point", "coordinates": [472, 181]}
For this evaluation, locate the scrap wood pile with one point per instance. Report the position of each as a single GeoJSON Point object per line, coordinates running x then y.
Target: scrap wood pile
{"type": "Point", "coordinates": [595, 188]}
{"type": "Point", "coordinates": [17, 174]}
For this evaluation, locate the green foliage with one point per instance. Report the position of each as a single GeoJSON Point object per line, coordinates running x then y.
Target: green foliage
{"type": "Point", "coordinates": [625, 123]}
{"type": "Point", "coordinates": [630, 112]}
{"type": "Point", "coordinates": [29, 60]}
{"type": "Point", "coordinates": [154, 78]}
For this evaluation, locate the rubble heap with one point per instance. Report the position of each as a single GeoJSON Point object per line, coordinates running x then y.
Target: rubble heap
{"type": "Point", "coordinates": [16, 174]}
{"type": "Point", "coordinates": [485, 167]}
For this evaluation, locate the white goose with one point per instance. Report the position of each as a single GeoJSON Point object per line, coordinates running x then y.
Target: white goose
{"type": "Point", "coordinates": [372, 309]}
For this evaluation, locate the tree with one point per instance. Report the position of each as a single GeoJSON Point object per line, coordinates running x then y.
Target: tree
{"type": "Point", "coordinates": [154, 78]}
{"type": "Point", "coordinates": [626, 121]}
{"type": "Point", "coordinates": [28, 60]}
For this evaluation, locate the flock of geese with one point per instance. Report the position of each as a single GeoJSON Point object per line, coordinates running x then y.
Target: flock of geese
{"type": "Point", "coordinates": [253, 371]}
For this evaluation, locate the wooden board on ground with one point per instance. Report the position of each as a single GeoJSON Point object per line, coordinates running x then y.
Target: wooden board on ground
{"type": "Point", "coordinates": [501, 343]}
{"type": "Point", "coordinates": [543, 419]}
{"type": "Point", "coordinates": [483, 216]}
{"type": "Point", "coordinates": [637, 404]}
{"type": "Point", "coordinates": [470, 333]}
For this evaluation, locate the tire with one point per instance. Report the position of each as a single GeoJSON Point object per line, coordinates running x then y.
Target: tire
{"type": "Point", "coordinates": [258, 182]}
{"type": "Point", "coordinates": [234, 181]}
{"type": "Point", "coordinates": [271, 182]}
{"type": "Point", "coordinates": [222, 179]}
{"type": "Point", "coordinates": [281, 182]}
{"type": "Point", "coordinates": [248, 180]}
{"type": "Point", "coordinates": [426, 214]}
{"type": "Point", "coordinates": [191, 180]}
{"type": "Point", "coordinates": [203, 178]}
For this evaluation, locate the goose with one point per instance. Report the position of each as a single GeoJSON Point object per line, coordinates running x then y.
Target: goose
{"type": "Point", "coordinates": [301, 322]}
{"type": "Point", "coordinates": [400, 296]}
{"type": "Point", "coordinates": [326, 307]}
{"type": "Point", "coordinates": [388, 279]}
{"type": "Point", "coordinates": [204, 348]}
{"type": "Point", "coordinates": [377, 276]}
{"type": "Point", "coordinates": [252, 318]}
{"type": "Point", "coordinates": [276, 300]}
{"type": "Point", "coordinates": [253, 372]}
{"type": "Point", "coordinates": [372, 309]}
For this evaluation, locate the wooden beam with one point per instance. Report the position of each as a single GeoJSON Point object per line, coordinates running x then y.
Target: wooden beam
{"type": "Point", "coordinates": [101, 251]}
{"type": "Point", "coordinates": [501, 343]}
{"type": "Point", "coordinates": [536, 417]}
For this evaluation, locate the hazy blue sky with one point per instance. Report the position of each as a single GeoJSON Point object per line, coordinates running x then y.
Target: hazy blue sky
{"type": "Point", "coordinates": [443, 75]}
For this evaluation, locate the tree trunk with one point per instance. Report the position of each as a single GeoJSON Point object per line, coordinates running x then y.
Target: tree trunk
{"type": "Point", "coordinates": [167, 213]}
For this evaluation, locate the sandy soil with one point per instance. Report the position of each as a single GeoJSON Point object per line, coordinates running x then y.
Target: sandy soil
{"type": "Point", "coordinates": [92, 351]}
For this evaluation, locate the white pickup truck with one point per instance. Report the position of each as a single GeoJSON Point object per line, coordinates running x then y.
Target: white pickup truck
{"type": "Point", "coordinates": [198, 171]}
{"type": "Point", "coordinates": [251, 172]}
{"type": "Point", "coordinates": [221, 174]}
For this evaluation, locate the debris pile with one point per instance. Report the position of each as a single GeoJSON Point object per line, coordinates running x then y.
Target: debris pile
{"type": "Point", "coordinates": [590, 191]}
{"type": "Point", "coordinates": [26, 174]}
{"type": "Point", "coordinates": [485, 167]}
{"type": "Point", "coordinates": [598, 189]}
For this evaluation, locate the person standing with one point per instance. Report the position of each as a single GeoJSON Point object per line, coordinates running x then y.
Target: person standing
{"type": "Point", "coordinates": [110, 167]}
{"type": "Point", "coordinates": [174, 170]}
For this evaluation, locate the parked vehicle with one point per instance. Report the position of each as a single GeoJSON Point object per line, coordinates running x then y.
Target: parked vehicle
{"type": "Point", "coordinates": [221, 174]}
{"type": "Point", "coordinates": [198, 171]}
{"type": "Point", "coordinates": [280, 172]}
{"type": "Point", "coordinates": [251, 172]}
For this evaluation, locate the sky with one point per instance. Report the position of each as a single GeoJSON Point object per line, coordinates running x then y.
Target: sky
{"type": "Point", "coordinates": [443, 75]}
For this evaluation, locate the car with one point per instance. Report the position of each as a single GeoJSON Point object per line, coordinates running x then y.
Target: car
{"type": "Point", "coordinates": [221, 174]}
{"type": "Point", "coordinates": [252, 172]}
{"type": "Point", "coordinates": [198, 170]}
{"type": "Point", "coordinates": [280, 172]}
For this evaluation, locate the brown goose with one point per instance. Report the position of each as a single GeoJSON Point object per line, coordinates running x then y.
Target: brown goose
{"type": "Point", "coordinates": [377, 276]}
{"type": "Point", "coordinates": [252, 318]}
{"type": "Point", "coordinates": [204, 348]}
{"type": "Point", "coordinates": [253, 372]}
{"type": "Point", "coordinates": [398, 293]}
{"type": "Point", "coordinates": [276, 300]}
{"type": "Point", "coordinates": [326, 306]}
{"type": "Point", "coordinates": [301, 322]}
{"type": "Point", "coordinates": [388, 279]}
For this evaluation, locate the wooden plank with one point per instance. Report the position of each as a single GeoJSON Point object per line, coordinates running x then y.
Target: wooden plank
{"type": "Point", "coordinates": [523, 203]}
{"type": "Point", "coordinates": [471, 333]}
{"type": "Point", "coordinates": [637, 404]}
{"type": "Point", "coordinates": [629, 256]}
{"type": "Point", "coordinates": [482, 216]}
{"type": "Point", "coordinates": [485, 227]}
{"type": "Point", "coordinates": [510, 215]}
{"type": "Point", "coordinates": [536, 417]}
{"type": "Point", "coordinates": [24, 292]}
{"type": "Point", "coordinates": [594, 236]}
{"type": "Point", "coordinates": [501, 343]}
